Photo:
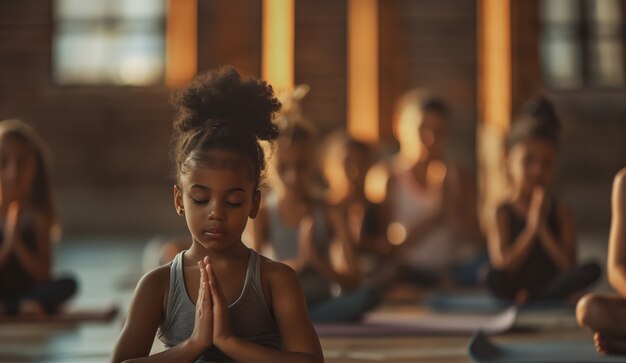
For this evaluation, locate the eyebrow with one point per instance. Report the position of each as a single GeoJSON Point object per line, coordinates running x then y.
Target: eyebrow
{"type": "Point", "coordinates": [231, 190]}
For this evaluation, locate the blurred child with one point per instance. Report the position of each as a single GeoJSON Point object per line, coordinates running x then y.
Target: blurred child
{"type": "Point", "coordinates": [305, 233]}
{"type": "Point", "coordinates": [219, 300]}
{"type": "Point", "coordinates": [430, 201]}
{"type": "Point", "coordinates": [29, 225]}
{"type": "Point", "coordinates": [532, 244]}
{"type": "Point", "coordinates": [346, 163]}
{"type": "Point", "coordinates": [605, 314]}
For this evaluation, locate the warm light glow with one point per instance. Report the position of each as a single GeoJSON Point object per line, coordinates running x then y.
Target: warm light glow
{"type": "Point", "coordinates": [376, 183]}
{"type": "Point", "coordinates": [182, 42]}
{"type": "Point", "coordinates": [496, 62]}
{"type": "Point", "coordinates": [139, 70]}
{"type": "Point", "coordinates": [278, 43]}
{"type": "Point", "coordinates": [406, 132]}
{"type": "Point", "coordinates": [495, 106]}
{"type": "Point", "coordinates": [363, 70]}
{"type": "Point", "coordinates": [396, 233]}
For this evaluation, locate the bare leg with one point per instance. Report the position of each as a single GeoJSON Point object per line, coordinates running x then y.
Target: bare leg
{"type": "Point", "coordinates": [603, 315]}
{"type": "Point", "coordinates": [31, 307]}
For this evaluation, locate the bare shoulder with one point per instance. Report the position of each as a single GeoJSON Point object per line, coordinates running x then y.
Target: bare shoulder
{"type": "Point", "coordinates": [275, 272]}
{"type": "Point", "coordinates": [619, 182]}
{"type": "Point", "coordinates": [154, 284]}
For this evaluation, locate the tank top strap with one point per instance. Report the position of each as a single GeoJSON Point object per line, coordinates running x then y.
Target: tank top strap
{"type": "Point", "coordinates": [175, 292]}
{"type": "Point", "coordinates": [255, 271]}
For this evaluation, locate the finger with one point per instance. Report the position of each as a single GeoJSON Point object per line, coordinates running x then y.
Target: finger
{"type": "Point", "coordinates": [202, 288]}
{"type": "Point", "coordinates": [214, 285]}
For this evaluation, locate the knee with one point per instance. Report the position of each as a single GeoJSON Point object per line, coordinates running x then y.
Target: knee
{"type": "Point", "coordinates": [589, 311]}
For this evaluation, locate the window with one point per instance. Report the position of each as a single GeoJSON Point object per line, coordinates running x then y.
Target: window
{"type": "Point", "coordinates": [109, 42]}
{"type": "Point", "coordinates": [582, 43]}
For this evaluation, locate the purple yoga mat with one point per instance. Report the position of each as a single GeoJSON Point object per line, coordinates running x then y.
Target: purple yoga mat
{"type": "Point", "coordinates": [402, 324]}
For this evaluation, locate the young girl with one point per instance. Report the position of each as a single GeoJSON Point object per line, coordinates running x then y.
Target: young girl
{"type": "Point", "coordinates": [219, 300]}
{"type": "Point", "coordinates": [430, 201]}
{"type": "Point", "coordinates": [346, 163]}
{"type": "Point", "coordinates": [532, 244]}
{"type": "Point", "coordinates": [29, 225]}
{"type": "Point", "coordinates": [304, 231]}
{"type": "Point", "coordinates": [605, 314]}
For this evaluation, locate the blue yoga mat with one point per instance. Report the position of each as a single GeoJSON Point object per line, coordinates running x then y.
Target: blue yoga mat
{"type": "Point", "coordinates": [482, 350]}
{"type": "Point", "coordinates": [483, 302]}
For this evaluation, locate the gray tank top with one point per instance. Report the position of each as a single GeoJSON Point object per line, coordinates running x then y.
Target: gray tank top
{"type": "Point", "coordinates": [250, 318]}
{"type": "Point", "coordinates": [284, 241]}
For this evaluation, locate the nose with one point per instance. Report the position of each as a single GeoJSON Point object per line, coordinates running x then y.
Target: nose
{"type": "Point", "coordinates": [217, 212]}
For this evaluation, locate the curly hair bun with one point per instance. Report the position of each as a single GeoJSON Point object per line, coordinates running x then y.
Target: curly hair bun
{"type": "Point", "coordinates": [222, 98]}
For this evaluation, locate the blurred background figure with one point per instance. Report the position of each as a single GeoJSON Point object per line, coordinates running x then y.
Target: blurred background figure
{"type": "Point", "coordinates": [603, 314]}
{"type": "Point", "coordinates": [304, 231]}
{"type": "Point", "coordinates": [430, 205]}
{"type": "Point", "coordinates": [532, 242]}
{"type": "Point", "coordinates": [29, 225]}
{"type": "Point", "coordinates": [346, 162]}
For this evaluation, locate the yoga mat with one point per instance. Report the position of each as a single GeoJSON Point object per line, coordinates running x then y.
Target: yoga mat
{"type": "Point", "coordinates": [483, 302]}
{"type": "Point", "coordinates": [71, 315]}
{"type": "Point", "coordinates": [398, 324]}
{"type": "Point", "coordinates": [482, 350]}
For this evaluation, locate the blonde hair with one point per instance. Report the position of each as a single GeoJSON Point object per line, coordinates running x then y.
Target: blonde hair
{"type": "Point", "coordinates": [42, 194]}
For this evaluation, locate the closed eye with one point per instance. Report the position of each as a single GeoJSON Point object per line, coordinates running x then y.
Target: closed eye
{"type": "Point", "coordinates": [196, 201]}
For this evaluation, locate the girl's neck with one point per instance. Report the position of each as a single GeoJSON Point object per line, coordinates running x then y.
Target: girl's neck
{"type": "Point", "coordinates": [197, 252]}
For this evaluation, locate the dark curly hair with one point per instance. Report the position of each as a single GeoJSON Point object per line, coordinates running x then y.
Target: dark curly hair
{"type": "Point", "coordinates": [538, 120]}
{"type": "Point", "coordinates": [220, 109]}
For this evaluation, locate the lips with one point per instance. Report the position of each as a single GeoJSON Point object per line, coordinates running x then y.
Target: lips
{"type": "Point", "coordinates": [215, 232]}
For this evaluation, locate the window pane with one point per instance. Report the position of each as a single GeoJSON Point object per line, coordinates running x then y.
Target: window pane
{"type": "Point", "coordinates": [606, 63]}
{"type": "Point", "coordinates": [114, 42]}
{"type": "Point", "coordinates": [560, 11]}
{"type": "Point", "coordinates": [605, 12]}
{"type": "Point", "coordinates": [80, 57]}
{"type": "Point", "coordinates": [139, 59]}
{"type": "Point", "coordinates": [80, 9]}
{"type": "Point", "coordinates": [561, 63]}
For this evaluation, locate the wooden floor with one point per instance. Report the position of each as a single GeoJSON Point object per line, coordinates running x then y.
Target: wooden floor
{"type": "Point", "coordinates": [108, 269]}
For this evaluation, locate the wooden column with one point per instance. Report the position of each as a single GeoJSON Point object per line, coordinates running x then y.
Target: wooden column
{"type": "Point", "coordinates": [508, 75]}
{"type": "Point", "coordinates": [495, 100]}
{"type": "Point", "coordinates": [278, 43]}
{"type": "Point", "coordinates": [363, 103]}
{"type": "Point", "coordinates": [181, 42]}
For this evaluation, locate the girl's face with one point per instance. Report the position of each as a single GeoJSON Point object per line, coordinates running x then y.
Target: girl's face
{"type": "Point", "coordinates": [356, 164]}
{"type": "Point", "coordinates": [18, 166]}
{"type": "Point", "coordinates": [532, 163]}
{"type": "Point", "coordinates": [217, 197]}
{"type": "Point", "coordinates": [432, 132]}
{"type": "Point", "coordinates": [420, 132]}
{"type": "Point", "coordinates": [294, 165]}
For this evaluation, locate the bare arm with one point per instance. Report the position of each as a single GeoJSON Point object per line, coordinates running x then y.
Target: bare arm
{"type": "Point", "coordinates": [38, 264]}
{"type": "Point", "coordinates": [505, 255]}
{"type": "Point", "coordinates": [351, 276]}
{"type": "Point", "coordinates": [145, 314]}
{"type": "Point", "coordinates": [300, 342]}
{"type": "Point", "coordinates": [617, 238]}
